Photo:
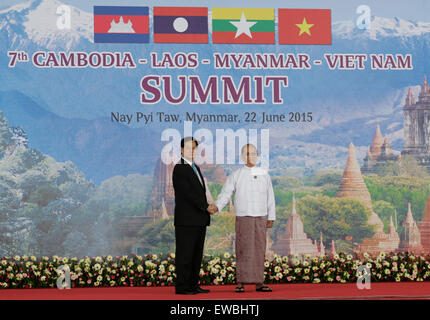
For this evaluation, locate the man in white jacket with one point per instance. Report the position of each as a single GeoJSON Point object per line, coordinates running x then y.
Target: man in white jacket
{"type": "Point", "coordinates": [254, 203]}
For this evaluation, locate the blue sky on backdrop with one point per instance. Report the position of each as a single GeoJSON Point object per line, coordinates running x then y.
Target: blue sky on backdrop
{"type": "Point", "coordinates": [417, 10]}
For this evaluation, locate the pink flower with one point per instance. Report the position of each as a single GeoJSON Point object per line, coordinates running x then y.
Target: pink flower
{"type": "Point", "coordinates": [338, 278]}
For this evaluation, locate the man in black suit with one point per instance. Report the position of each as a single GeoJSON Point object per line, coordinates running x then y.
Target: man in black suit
{"type": "Point", "coordinates": [192, 216]}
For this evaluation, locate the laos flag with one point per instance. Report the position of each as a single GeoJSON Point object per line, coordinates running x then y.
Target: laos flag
{"type": "Point", "coordinates": [180, 25]}
{"type": "Point", "coordinates": [115, 24]}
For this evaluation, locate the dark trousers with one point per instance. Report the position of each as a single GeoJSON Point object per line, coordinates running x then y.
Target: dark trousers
{"type": "Point", "coordinates": [189, 253]}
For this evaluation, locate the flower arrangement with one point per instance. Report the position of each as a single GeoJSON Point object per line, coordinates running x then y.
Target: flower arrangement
{"type": "Point", "coordinates": [159, 270]}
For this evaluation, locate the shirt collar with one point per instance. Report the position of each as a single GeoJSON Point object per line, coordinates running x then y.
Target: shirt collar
{"type": "Point", "coordinates": [187, 161]}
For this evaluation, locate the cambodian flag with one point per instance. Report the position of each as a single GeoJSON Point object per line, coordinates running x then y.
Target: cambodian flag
{"type": "Point", "coordinates": [180, 25]}
{"type": "Point", "coordinates": [121, 24]}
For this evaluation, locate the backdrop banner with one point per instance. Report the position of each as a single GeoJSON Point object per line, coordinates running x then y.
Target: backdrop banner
{"type": "Point", "coordinates": [95, 97]}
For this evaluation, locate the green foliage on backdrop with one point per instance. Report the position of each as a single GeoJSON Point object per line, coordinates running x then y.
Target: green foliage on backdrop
{"type": "Point", "coordinates": [50, 208]}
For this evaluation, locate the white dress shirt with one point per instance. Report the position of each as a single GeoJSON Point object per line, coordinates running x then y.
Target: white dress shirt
{"type": "Point", "coordinates": [191, 164]}
{"type": "Point", "coordinates": [253, 193]}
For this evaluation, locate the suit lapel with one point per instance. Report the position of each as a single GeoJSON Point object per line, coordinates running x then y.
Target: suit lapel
{"type": "Point", "coordinates": [201, 177]}
{"type": "Point", "coordinates": [194, 174]}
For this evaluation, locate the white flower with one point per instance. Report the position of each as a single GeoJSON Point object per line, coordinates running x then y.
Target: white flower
{"type": "Point", "coordinates": [148, 263]}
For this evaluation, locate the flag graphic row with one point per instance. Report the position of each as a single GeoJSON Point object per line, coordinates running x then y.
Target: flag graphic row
{"type": "Point", "coordinates": [120, 24]}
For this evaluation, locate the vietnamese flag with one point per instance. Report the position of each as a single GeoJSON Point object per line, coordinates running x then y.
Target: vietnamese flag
{"type": "Point", "coordinates": [304, 26]}
{"type": "Point", "coordinates": [243, 25]}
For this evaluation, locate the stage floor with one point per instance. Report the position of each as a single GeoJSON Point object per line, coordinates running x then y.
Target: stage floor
{"type": "Point", "coordinates": [347, 291]}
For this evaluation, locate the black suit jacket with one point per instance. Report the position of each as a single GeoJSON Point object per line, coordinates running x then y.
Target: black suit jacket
{"type": "Point", "coordinates": [190, 196]}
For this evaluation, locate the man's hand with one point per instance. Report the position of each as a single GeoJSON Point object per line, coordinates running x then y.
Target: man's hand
{"type": "Point", "coordinates": [212, 208]}
{"type": "Point", "coordinates": [269, 223]}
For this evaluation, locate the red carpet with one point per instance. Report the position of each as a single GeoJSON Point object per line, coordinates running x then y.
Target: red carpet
{"type": "Point", "coordinates": [387, 290]}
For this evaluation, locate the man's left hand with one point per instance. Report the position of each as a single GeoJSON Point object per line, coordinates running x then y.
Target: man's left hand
{"type": "Point", "coordinates": [269, 223]}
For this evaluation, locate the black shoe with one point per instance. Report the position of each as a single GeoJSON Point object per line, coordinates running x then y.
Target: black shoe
{"type": "Point", "coordinates": [201, 290]}
{"type": "Point", "coordinates": [185, 292]}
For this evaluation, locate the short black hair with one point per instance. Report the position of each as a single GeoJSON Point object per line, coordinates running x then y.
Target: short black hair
{"type": "Point", "coordinates": [186, 139]}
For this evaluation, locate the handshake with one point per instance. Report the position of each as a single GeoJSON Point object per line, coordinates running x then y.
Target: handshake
{"type": "Point", "coordinates": [212, 208]}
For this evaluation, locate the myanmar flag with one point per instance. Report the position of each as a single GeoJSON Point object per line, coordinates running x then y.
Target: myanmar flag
{"type": "Point", "coordinates": [243, 25]}
{"type": "Point", "coordinates": [180, 25]}
{"type": "Point", "coordinates": [304, 26]}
